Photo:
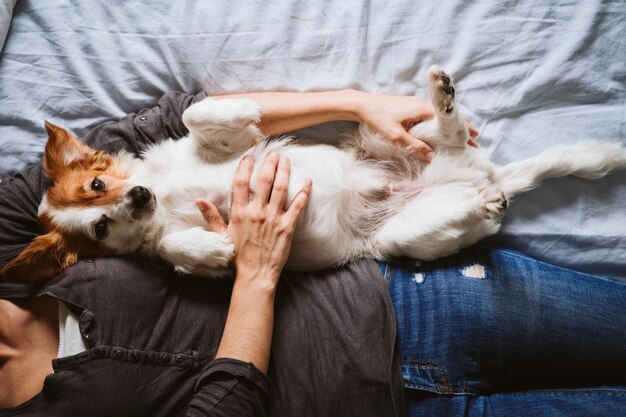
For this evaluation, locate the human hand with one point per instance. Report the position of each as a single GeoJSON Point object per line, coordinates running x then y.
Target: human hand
{"type": "Point", "coordinates": [393, 116]}
{"type": "Point", "coordinates": [260, 228]}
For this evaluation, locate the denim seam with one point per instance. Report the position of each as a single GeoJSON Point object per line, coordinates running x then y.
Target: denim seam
{"type": "Point", "coordinates": [573, 391]}
{"type": "Point", "coordinates": [412, 385]}
{"type": "Point", "coordinates": [448, 387]}
{"type": "Point", "coordinates": [613, 392]}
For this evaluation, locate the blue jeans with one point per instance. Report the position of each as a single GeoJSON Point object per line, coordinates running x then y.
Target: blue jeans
{"type": "Point", "coordinates": [491, 332]}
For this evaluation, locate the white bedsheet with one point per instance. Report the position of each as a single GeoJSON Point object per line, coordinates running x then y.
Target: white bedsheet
{"type": "Point", "coordinates": [529, 73]}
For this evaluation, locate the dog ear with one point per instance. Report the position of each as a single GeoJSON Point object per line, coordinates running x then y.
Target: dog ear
{"type": "Point", "coordinates": [62, 149]}
{"type": "Point", "coordinates": [45, 257]}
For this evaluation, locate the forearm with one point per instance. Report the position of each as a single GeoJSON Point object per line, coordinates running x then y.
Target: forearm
{"type": "Point", "coordinates": [261, 230]}
{"type": "Point", "coordinates": [235, 383]}
{"type": "Point", "coordinates": [248, 331]}
{"type": "Point", "coordinates": [284, 112]}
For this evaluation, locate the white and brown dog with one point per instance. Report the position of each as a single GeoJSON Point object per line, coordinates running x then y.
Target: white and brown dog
{"type": "Point", "coordinates": [370, 199]}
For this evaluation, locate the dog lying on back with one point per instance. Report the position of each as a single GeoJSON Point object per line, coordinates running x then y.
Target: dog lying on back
{"type": "Point", "coordinates": [370, 198]}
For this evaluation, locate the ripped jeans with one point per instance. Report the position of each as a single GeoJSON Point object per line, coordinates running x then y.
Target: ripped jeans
{"type": "Point", "coordinates": [491, 332]}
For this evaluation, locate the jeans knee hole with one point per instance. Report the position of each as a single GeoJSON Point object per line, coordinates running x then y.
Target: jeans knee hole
{"type": "Point", "coordinates": [476, 271]}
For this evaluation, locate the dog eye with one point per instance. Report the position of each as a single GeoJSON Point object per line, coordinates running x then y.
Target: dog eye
{"type": "Point", "coordinates": [100, 229]}
{"type": "Point", "coordinates": [97, 185]}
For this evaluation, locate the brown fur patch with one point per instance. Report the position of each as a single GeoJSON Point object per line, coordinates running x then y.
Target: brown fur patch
{"type": "Point", "coordinates": [61, 148]}
{"type": "Point", "coordinates": [49, 254]}
{"type": "Point", "coordinates": [72, 166]}
{"type": "Point", "coordinates": [45, 257]}
{"type": "Point", "coordinates": [72, 187]}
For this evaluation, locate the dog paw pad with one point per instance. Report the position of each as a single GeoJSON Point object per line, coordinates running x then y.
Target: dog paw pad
{"type": "Point", "coordinates": [441, 89]}
{"type": "Point", "coordinates": [495, 202]}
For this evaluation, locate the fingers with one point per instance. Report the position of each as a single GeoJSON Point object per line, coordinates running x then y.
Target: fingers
{"type": "Point", "coordinates": [421, 150]}
{"type": "Point", "coordinates": [299, 203]}
{"type": "Point", "coordinates": [281, 184]}
{"type": "Point", "coordinates": [212, 216]}
{"type": "Point", "coordinates": [272, 182]}
{"type": "Point", "coordinates": [418, 148]}
{"type": "Point", "coordinates": [425, 113]}
{"type": "Point", "coordinates": [473, 133]}
{"type": "Point", "coordinates": [265, 179]}
{"type": "Point", "coordinates": [241, 184]}
{"type": "Point", "coordinates": [472, 130]}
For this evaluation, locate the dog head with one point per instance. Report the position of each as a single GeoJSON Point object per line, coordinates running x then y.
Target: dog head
{"type": "Point", "coordinates": [91, 209]}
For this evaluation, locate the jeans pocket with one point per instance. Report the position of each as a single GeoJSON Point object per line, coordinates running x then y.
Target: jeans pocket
{"type": "Point", "coordinates": [427, 376]}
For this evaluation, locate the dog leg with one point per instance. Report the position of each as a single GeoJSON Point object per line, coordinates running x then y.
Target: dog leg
{"type": "Point", "coordinates": [197, 251]}
{"type": "Point", "coordinates": [494, 202]}
{"type": "Point", "coordinates": [586, 160]}
{"type": "Point", "coordinates": [449, 124]}
{"type": "Point", "coordinates": [439, 222]}
{"type": "Point", "coordinates": [223, 128]}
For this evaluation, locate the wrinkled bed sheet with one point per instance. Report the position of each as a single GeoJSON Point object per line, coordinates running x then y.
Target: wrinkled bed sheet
{"type": "Point", "coordinates": [530, 74]}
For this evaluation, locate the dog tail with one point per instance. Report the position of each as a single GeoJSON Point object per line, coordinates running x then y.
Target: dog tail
{"type": "Point", "coordinates": [589, 160]}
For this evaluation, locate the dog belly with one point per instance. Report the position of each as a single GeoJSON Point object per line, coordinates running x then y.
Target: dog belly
{"type": "Point", "coordinates": [340, 213]}
{"type": "Point", "coordinates": [332, 228]}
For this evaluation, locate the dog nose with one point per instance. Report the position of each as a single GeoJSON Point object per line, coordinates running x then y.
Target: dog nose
{"type": "Point", "coordinates": [140, 196]}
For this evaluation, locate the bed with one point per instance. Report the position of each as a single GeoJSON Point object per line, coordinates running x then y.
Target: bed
{"type": "Point", "coordinates": [530, 74]}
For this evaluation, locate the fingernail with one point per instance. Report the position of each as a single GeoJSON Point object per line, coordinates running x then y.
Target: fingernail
{"type": "Point", "coordinates": [429, 156]}
{"type": "Point", "coordinates": [284, 160]}
{"type": "Point", "coordinates": [272, 155]}
{"type": "Point", "coordinates": [200, 205]}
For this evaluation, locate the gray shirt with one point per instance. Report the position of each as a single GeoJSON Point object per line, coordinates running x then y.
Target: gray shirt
{"type": "Point", "coordinates": [152, 334]}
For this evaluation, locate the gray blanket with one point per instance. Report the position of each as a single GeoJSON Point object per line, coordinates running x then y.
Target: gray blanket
{"type": "Point", "coordinates": [530, 74]}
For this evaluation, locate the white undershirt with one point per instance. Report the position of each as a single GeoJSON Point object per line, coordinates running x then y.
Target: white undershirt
{"type": "Point", "coordinates": [70, 340]}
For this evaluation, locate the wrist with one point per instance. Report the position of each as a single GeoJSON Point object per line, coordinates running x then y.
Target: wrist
{"type": "Point", "coordinates": [259, 281]}
{"type": "Point", "coordinates": [350, 104]}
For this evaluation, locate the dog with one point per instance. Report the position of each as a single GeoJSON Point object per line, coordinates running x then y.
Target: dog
{"type": "Point", "coordinates": [370, 198]}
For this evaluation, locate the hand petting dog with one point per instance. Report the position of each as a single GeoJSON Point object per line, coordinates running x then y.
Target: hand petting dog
{"type": "Point", "coordinates": [259, 227]}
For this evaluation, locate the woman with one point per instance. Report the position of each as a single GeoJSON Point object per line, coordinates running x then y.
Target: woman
{"type": "Point", "coordinates": [156, 344]}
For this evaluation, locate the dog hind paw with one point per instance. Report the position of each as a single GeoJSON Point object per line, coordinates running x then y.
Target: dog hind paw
{"type": "Point", "coordinates": [495, 202]}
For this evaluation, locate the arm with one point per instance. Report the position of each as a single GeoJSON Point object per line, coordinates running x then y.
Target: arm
{"type": "Point", "coordinates": [391, 115]}
{"type": "Point", "coordinates": [283, 112]}
{"type": "Point", "coordinates": [261, 231]}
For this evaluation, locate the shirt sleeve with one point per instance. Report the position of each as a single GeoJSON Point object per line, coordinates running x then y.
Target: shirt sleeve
{"type": "Point", "coordinates": [20, 196]}
{"type": "Point", "coordinates": [151, 125]}
{"type": "Point", "coordinates": [228, 388]}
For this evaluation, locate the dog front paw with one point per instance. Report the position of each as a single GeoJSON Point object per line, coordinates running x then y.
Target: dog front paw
{"type": "Point", "coordinates": [229, 113]}
{"type": "Point", "coordinates": [239, 113]}
{"type": "Point", "coordinates": [194, 248]}
{"type": "Point", "coordinates": [221, 254]}
{"type": "Point", "coordinates": [494, 202]}
{"type": "Point", "coordinates": [441, 88]}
